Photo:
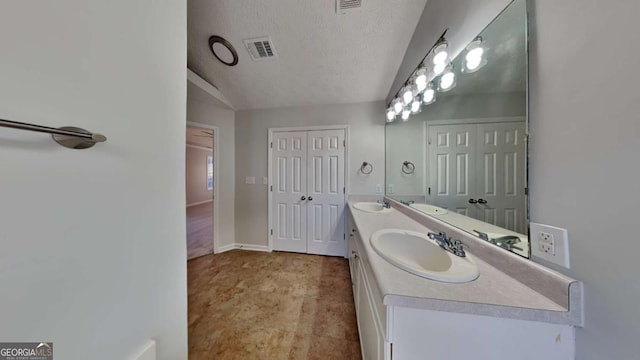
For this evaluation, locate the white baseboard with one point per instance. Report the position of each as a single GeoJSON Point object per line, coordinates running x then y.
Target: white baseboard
{"type": "Point", "coordinates": [147, 352]}
{"type": "Point", "coordinates": [225, 248]}
{"type": "Point", "coordinates": [200, 203]}
{"type": "Point", "coordinates": [250, 247]}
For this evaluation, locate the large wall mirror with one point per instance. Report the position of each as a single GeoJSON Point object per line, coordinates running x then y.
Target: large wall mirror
{"type": "Point", "coordinates": [461, 155]}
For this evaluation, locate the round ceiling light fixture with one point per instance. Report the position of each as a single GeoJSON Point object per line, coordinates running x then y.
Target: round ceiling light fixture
{"type": "Point", "coordinates": [223, 50]}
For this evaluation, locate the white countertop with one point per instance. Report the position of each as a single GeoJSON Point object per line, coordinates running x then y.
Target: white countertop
{"type": "Point", "coordinates": [494, 293]}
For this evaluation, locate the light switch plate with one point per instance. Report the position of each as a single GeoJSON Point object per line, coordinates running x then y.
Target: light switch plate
{"type": "Point", "coordinates": [550, 243]}
{"type": "Point", "coordinates": [379, 189]}
{"type": "Point", "coordinates": [390, 188]}
{"type": "Point", "coordinates": [265, 181]}
{"type": "Point", "coordinates": [250, 180]}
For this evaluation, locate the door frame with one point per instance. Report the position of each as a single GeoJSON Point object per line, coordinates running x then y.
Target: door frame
{"type": "Point", "coordinates": [216, 179]}
{"type": "Point", "coordinates": [346, 129]}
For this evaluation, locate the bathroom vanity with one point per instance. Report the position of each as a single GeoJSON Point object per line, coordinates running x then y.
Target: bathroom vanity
{"type": "Point", "coordinates": [515, 309]}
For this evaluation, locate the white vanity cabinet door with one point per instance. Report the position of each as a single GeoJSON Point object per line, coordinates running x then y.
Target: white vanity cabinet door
{"type": "Point", "coordinates": [428, 334]}
{"type": "Point", "coordinates": [371, 336]}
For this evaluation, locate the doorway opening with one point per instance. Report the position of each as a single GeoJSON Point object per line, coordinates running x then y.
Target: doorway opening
{"type": "Point", "coordinates": [200, 186]}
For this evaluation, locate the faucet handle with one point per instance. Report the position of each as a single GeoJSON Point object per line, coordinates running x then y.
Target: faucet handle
{"type": "Point", "coordinates": [482, 235]}
{"type": "Point", "coordinates": [458, 248]}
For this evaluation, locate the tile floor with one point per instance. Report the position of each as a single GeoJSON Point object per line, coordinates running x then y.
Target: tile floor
{"type": "Point", "coordinates": [255, 305]}
{"type": "Point", "coordinates": [199, 230]}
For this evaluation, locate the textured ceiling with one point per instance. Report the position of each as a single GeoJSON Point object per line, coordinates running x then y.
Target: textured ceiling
{"type": "Point", "coordinates": [322, 57]}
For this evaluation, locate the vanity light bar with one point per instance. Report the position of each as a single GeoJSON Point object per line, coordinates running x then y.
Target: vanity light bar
{"type": "Point", "coordinates": [419, 89]}
{"type": "Point", "coordinates": [421, 70]}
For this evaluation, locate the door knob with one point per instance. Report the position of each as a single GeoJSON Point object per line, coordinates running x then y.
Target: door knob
{"type": "Point", "coordinates": [473, 201]}
{"type": "Point", "coordinates": [303, 198]}
{"type": "Point", "coordinates": [482, 201]}
{"type": "Point", "coordinates": [310, 198]}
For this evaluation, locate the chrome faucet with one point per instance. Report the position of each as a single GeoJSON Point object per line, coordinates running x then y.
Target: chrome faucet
{"type": "Point", "coordinates": [506, 242]}
{"type": "Point", "coordinates": [384, 203]}
{"type": "Point", "coordinates": [482, 235]}
{"type": "Point", "coordinates": [453, 246]}
{"type": "Point", "coordinates": [408, 202]}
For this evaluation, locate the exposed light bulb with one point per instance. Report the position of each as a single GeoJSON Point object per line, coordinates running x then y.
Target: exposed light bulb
{"type": "Point", "coordinates": [397, 106]}
{"type": "Point", "coordinates": [474, 54]}
{"type": "Point", "coordinates": [440, 57]}
{"type": "Point", "coordinates": [415, 106]}
{"type": "Point", "coordinates": [407, 95]}
{"type": "Point", "coordinates": [474, 57]}
{"type": "Point", "coordinates": [391, 115]}
{"type": "Point", "coordinates": [447, 80]}
{"type": "Point", "coordinates": [440, 54]}
{"type": "Point", "coordinates": [405, 114]}
{"type": "Point", "coordinates": [439, 68]}
{"type": "Point", "coordinates": [428, 96]}
{"type": "Point", "coordinates": [421, 79]}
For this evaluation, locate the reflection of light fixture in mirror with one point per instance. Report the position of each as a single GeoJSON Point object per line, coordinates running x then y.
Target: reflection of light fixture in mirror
{"type": "Point", "coordinates": [391, 115]}
{"type": "Point", "coordinates": [447, 80]}
{"type": "Point", "coordinates": [397, 106]}
{"type": "Point", "coordinates": [407, 94]}
{"type": "Point", "coordinates": [429, 95]}
{"type": "Point", "coordinates": [438, 69]}
{"type": "Point", "coordinates": [420, 79]}
{"type": "Point", "coordinates": [415, 105]}
{"type": "Point", "coordinates": [474, 58]}
{"type": "Point", "coordinates": [405, 114]}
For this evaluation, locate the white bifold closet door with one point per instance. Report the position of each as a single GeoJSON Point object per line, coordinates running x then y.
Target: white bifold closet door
{"type": "Point", "coordinates": [308, 196]}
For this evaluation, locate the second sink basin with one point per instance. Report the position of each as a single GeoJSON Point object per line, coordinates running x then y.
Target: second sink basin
{"type": "Point", "coordinates": [371, 207]}
{"type": "Point", "coordinates": [416, 253]}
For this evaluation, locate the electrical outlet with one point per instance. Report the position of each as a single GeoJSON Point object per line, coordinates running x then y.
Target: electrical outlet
{"type": "Point", "coordinates": [390, 188]}
{"type": "Point", "coordinates": [546, 244]}
{"type": "Point", "coordinates": [251, 180]}
{"type": "Point", "coordinates": [265, 180]}
{"type": "Point", "coordinates": [550, 243]}
{"type": "Point", "coordinates": [379, 189]}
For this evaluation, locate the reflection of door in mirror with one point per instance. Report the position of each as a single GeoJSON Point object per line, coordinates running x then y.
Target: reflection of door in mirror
{"type": "Point", "coordinates": [477, 170]}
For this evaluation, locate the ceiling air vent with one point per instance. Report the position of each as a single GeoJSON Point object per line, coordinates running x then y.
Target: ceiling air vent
{"type": "Point", "coordinates": [342, 6]}
{"type": "Point", "coordinates": [260, 48]}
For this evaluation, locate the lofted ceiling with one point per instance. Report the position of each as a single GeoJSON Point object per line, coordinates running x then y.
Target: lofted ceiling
{"type": "Point", "coordinates": [321, 57]}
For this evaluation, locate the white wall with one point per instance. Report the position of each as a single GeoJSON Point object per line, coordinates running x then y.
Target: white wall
{"type": "Point", "coordinates": [196, 175]}
{"type": "Point", "coordinates": [584, 171]}
{"type": "Point", "coordinates": [405, 141]}
{"type": "Point", "coordinates": [93, 241]}
{"type": "Point", "coordinates": [206, 113]}
{"type": "Point", "coordinates": [366, 144]}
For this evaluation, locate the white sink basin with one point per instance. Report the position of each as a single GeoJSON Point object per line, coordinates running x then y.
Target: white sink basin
{"type": "Point", "coordinates": [429, 209]}
{"type": "Point", "coordinates": [371, 207]}
{"type": "Point", "coordinates": [416, 253]}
